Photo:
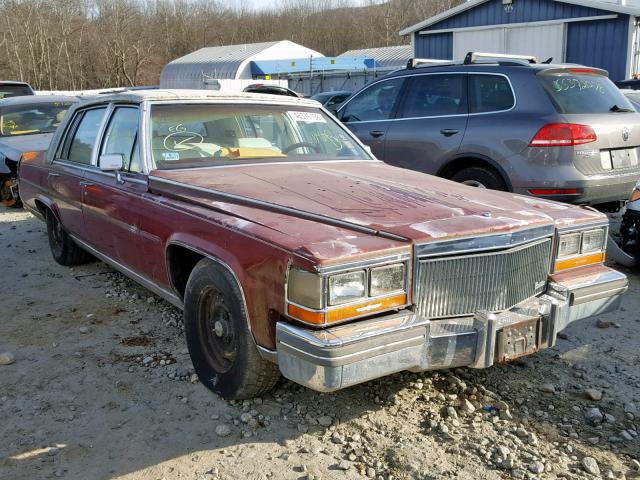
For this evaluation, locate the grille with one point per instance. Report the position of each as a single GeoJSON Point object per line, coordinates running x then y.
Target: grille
{"type": "Point", "coordinates": [491, 281]}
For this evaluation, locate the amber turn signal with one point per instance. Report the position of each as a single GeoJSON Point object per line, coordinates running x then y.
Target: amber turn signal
{"type": "Point", "coordinates": [581, 261]}
{"type": "Point", "coordinates": [334, 315]}
{"type": "Point", "coordinates": [29, 155]}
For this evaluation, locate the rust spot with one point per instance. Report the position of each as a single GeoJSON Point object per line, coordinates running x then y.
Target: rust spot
{"type": "Point", "coordinates": [137, 342]}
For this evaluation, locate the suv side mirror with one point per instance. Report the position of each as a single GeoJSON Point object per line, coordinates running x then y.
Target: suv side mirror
{"type": "Point", "coordinates": [111, 162]}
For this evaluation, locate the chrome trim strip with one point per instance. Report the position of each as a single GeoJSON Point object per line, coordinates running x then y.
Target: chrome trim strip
{"type": "Point", "coordinates": [145, 282]}
{"type": "Point", "coordinates": [268, 355]}
{"type": "Point", "coordinates": [283, 163]}
{"type": "Point", "coordinates": [273, 207]}
{"type": "Point", "coordinates": [484, 243]}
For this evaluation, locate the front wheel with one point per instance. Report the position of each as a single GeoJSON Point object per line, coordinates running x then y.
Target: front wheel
{"type": "Point", "coordinates": [480, 177]}
{"type": "Point", "coordinates": [220, 343]}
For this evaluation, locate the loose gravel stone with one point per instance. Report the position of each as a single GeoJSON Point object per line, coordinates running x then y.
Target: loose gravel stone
{"type": "Point", "coordinates": [594, 416]}
{"type": "Point", "coordinates": [593, 394]}
{"type": "Point", "coordinates": [223, 430]}
{"type": "Point", "coordinates": [548, 388]}
{"type": "Point", "coordinates": [325, 421]}
{"type": "Point", "coordinates": [7, 358]}
{"type": "Point", "coordinates": [536, 467]}
{"type": "Point", "coordinates": [590, 465]}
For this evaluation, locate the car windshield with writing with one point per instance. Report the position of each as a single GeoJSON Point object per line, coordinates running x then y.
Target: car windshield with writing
{"type": "Point", "coordinates": [197, 135]}
{"type": "Point", "coordinates": [31, 118]}
{"type": "Point", "coordinates": [584, 93]}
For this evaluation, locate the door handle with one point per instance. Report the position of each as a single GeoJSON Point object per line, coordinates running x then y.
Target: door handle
{"type": "Point", "coordinates": [376, 133]}
{"type": "Point", "coordinates": [54, 174]}
{"type": "Point", "coordinates": [84, 183]}
{"type": "Point", "coordinates": [447, 132]}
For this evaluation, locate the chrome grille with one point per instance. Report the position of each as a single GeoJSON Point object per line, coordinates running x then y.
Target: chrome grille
{"type": "Point", "coordinates": [491, 281]}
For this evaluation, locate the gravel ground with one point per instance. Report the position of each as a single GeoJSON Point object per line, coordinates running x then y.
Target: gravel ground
{"type": "Point", "coordinates": [96, 383]}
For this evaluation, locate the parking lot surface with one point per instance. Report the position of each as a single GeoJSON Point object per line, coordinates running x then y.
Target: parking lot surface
{"type": "Point", "coordinates": [102, 388]}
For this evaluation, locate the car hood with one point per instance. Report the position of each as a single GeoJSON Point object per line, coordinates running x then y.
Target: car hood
{"type": "Point", "coordinates": [13, 147]}
{"type": "Point", "coordinates": [414, 206]}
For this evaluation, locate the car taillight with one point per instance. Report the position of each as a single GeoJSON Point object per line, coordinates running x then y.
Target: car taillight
{"type": "Point", "coordinates": [563, 135]}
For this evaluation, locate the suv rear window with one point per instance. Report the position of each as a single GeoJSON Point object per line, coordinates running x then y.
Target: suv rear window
{"type": "Point", "coordinates": [7, 91]}
{"type": "Point", "coordinates": [576, 93]}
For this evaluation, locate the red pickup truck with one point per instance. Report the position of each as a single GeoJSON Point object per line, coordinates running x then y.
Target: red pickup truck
{"type": "Point", "coordinates": [293, 250]}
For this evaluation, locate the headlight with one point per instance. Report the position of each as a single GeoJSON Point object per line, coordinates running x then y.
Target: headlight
{"type": "Point", "coordinates": [387, 279]}
{"type": "Point", "coordinates": [323, 298]}
{"type": "Point", "coordinates": [347, 287]}
{"type": "Point", "coordinates": [577, 249]}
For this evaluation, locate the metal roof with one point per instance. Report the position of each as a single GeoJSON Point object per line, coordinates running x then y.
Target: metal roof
{"type": "Point", "coordinates": [386, 57]}
{"type": "Point", "coordinates": [36, 99]}
{"type": "Point", "coordinates": [599, 4]}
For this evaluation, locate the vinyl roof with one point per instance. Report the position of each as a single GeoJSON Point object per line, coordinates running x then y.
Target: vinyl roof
{"type": "Point", "coordinates": [35, 99]}
{"type": "Point", "coordinates": [386, 57]}
{"type": "Point", "coordinates": [599, 4]}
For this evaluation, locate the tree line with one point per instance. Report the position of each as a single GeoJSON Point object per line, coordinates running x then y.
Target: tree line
{"type": "Point", "coordinates": [83, 44]}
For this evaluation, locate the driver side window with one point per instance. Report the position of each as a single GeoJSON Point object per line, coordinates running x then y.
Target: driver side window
{"type": "Point", "coordinates": [122, 138]}
{"type": "Point", "coordinates": [377, 102]}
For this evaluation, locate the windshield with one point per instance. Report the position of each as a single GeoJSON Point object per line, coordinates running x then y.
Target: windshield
{"type": "Point", "coordinates": [574, 93]}
{"type": "Point", "coordinates": [196, 135]}
{"type": "Point", "coordinates": [32, 118]}
{"type": "Point", "coordinates": [17, 90]}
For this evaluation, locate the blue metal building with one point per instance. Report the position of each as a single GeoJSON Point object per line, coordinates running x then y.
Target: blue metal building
{"type": "Point", "coordinates": [597, 33]}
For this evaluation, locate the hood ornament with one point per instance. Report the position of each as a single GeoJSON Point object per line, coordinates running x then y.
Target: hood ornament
{"type": "Point", "coordinates": [625, 133]}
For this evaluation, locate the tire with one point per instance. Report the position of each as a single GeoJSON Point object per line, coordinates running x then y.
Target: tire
{"type": "Point", "coordinates": [64, 250]}
{"type": "Point", "coordinates": [220, 343]}
{"type": "Point", "coordinates": [481, 177]}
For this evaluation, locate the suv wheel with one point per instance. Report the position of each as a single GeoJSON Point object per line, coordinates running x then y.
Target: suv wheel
{"type": "Point", "coordinates": [480, 177]}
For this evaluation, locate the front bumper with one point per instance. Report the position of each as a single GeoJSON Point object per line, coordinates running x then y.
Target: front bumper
{"type": "Point", "coordinates": [338, 357]}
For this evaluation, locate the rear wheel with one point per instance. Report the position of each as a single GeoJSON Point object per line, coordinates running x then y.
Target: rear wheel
{"type": "Point", "coordinates": [220, 343]}
{"type": "Point", "coordinates": [64, 250]}
{"type": "Point", "coordinates": [481, 177]}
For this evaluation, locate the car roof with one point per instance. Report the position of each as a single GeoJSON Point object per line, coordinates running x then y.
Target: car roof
{"type": "Point", "coordinates": [13, 82]}
{"type": "Point", "coordinates": [36, 99]}
{"type": "Point", "coordinates": [497, 67]}
{"type": "Point", "coordinates": [140, 96]}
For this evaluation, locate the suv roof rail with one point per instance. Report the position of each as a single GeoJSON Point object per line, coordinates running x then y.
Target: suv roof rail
{"type": "Point", "coordinates": [473, 57]}
{"type": "Point", "coordinates": [427, 62]}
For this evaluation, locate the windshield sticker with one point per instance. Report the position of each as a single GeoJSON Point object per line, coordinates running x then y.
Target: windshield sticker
{"type": "Point", "coordinates": [180, 139]}
{"type": "Point", "coordinates": [169, 156]}
{"type": "Point", "coordinates": [308, 117]}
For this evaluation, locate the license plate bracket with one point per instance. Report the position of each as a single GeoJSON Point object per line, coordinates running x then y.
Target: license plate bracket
{"type": "Point", "coordinates": [518, 339]}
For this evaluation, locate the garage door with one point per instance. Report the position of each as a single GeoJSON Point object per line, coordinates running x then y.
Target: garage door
{"type": "Point", "coordinates": [543, 41]}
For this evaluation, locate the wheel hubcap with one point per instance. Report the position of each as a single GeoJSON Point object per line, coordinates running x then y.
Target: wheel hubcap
{"type": "Point", "coordinates": [217, 335]}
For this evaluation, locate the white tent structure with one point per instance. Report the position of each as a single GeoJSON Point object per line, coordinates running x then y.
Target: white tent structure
{"type": "Point", "coordinates": [228, 67]}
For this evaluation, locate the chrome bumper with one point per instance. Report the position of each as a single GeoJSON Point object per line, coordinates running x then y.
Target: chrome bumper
{"type": "Point", "coordinates": [338, 357]}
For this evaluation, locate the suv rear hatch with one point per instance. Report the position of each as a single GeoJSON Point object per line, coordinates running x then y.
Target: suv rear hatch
{"type": "Point", "coordinates": [586, 97]}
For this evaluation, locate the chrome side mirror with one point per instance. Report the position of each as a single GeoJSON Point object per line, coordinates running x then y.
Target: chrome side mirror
{"type": "Point", "coordinates": [111, 162]}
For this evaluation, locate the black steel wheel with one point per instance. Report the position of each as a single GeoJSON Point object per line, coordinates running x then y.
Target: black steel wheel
{"type": "Point", "coordinates": [64, 250]}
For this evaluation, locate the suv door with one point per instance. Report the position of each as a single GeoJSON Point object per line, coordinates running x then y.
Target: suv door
{"type": "Point", "coordinates": [369, 113]}
{"type": "Point", "coordinates": [430, 123]}
{"type": "Point", "coordinates": [71, 161]}
{"type": "Point", "coordinates": [112, 200]}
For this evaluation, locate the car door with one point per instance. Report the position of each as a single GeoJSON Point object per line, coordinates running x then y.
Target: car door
{"type": "Point", "coordinates": [369, 113]}
{"type": "Point", "coordinates": [71, 161]}
{"type": "Point", "coordinates": [430, 122]}
{"type": "Point", "coordinates": [112, 199]}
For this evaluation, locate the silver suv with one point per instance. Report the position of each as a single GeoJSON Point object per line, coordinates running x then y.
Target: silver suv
{"type": "Point", "coordinates": [561, 132]}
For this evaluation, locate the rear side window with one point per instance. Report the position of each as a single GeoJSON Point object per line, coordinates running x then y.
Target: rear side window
{"type": "Point", "coordinates": [7, 91]}
{"type": "Point", "coordinates": [84, 137]}
{"type": "Point", "coordinates": [434, 95]}
{"type": "Point", "coordinates": [575, 93]}
{"type": "Point", "coordinates": [489, 93]}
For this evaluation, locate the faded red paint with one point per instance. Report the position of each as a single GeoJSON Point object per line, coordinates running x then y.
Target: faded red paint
{"type": "Point", "coordinates": [135, 225]}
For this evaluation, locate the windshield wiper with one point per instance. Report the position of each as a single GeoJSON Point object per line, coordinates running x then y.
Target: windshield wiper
{"type": "Point", "coordinates": [618, 109]}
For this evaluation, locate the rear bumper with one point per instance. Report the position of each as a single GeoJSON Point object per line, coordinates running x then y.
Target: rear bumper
{"type": "Point", "coordinates": [328, 360]}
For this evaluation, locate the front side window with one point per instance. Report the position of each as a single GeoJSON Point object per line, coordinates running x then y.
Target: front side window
{"type": "Point", "coordinates": [84, 136]}
{"type": "Point", "coordinates": [434, 95]}
{"type": "Point", "coordinates": [489, 93]}
{"type": "Point", "coordinates": [194, 135]}
{"type": "Point", "coordinates": [30, 119]}
{"type": "Point", "coordinates": [375, 103]}
{"type": "Point", "coordinates": [121, 138]}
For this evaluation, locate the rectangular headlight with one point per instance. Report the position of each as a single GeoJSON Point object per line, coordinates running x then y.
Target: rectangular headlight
{"type": "Point", "coordinates": [347, 287]}
{"type": "Point", "coordinates": [569, 244]}
{"type": "Point", "coordinates": [386, 280]}
{"type": "Point", "coordinates": [592, 241]}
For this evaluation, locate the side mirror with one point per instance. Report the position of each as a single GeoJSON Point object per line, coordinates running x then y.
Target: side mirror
{"type": "Point", "coordinates": [111, 162]}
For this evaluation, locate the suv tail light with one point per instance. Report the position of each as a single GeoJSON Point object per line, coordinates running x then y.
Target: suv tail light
{"type": "Point", "coordinates": [563, 135]}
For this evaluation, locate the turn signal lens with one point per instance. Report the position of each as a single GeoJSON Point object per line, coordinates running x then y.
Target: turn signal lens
{"type": "Point", "coordinates": [563, 135]}
{"type": "Point", "coordinates": [580, 261]}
